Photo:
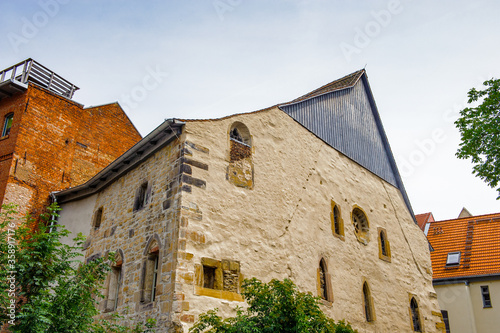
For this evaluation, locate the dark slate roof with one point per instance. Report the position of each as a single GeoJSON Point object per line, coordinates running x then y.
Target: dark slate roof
{"type": "Point", "coordinates": [342, 83]}
{"type": "Point", "coordinates": [343, 114]}
{"type": "Point", "coordinates": [161, 136]}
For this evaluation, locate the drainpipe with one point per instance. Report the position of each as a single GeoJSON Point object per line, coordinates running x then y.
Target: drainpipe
{"type": "Point", "coordinates": [53, 217]}
{"type": "Point", "coordinates": [470, 308]}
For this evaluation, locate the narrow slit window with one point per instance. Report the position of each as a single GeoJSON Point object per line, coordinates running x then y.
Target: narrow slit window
{"type": "Point", "coordinates": [415, 315]}
{"type": "Point", "coordinates": [324, 282]}
{"type": "Point", "coordinates": [383, 245]}
{"type": "Point", "coordinates": [368, 306]}
{"type": "Point", "coordinates": [98, 218]}
{"type": "Point", "coordinates": [446, 320]}
{"type": "Point", "coordinates": [141, 197]}
{"type": "Point", "coordinates": [336, 219]}
{"type": "Point", "coordinates": [155, 277]}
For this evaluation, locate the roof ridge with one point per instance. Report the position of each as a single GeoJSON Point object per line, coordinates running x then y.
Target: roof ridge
{"type": "Point", "coordinates": [344, 82]}
{"type": "Point", "coordinates": [475, 217]}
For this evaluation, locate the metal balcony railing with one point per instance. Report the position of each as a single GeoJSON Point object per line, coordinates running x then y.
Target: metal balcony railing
{"type": "Point", "coordinates": [31, 71]}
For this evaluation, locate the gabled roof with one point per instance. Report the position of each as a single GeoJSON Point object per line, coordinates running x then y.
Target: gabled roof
{"type": "Point", "coordinates": [477, 238]}
{"type": "Point", "coordinates": [343, 114]}
{"type": "Point", "coordinates": [347, 81]}
{"type": "Point", "coordinates": [423, 219]}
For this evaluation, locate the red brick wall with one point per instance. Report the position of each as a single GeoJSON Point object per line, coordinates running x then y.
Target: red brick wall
{"type": "Point", "coordinates": [61, 144]}
{"type": "Point", "coordinates": [15, 104]}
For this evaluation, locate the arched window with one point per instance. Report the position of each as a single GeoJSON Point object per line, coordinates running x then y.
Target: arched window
{"type": "Point", "coordinates": [337, 222]}
{"type": "Point", "coordinates": [383, 245]}
{"type": "Point", "coordinates": [150, 272]}
{"type": "Point", "coordinates": [368, 303]}
{"type": "Point", "coordinates": [324, 282]}
{"type": "Point", "coordinates": [7, 124]}
{"type": "Point", "coordinates": [114, 282]}
{"type": "Point", "coordinates": [361, 225]}
{"type": "Point", "coordinates": [415, 315]}
{"type": "Point", "coordinates": [240, 169]}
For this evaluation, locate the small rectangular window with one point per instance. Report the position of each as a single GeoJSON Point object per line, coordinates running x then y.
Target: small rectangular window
{"type": "Point", "coordinates": [485, 292]}
{"type": "Point", "coordinates": [446, 320]}
{"type": "Point", "coordinates": [142, 196]}
{"type": "Point", "coordinates": [7, 124]}
{"type": "Point", "coordinates": [208, 277]}
{"type": "Point", "coordinates": [453, 259]}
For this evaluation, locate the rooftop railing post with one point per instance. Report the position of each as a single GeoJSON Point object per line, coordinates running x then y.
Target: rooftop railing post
{"type": "Point", "coordinates": [13, 73]}
{"type": "Point", "coordinates": [23, 78]}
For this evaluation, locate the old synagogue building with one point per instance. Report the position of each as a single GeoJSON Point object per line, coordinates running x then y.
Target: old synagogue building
{"type": "Point", "coordinates": [306, 190]}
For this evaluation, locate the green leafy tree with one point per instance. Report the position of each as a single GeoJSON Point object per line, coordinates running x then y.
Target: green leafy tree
{"type": "Point", "coordinates": [276, 306]}
{"type": "Point", "coordinates": [480, 133]}
{"type": "Point", "coordinates": [43, 285]}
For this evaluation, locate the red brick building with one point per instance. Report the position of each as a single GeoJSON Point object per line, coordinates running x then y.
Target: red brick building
{"type": "Point", "coordinates": [50, 142]}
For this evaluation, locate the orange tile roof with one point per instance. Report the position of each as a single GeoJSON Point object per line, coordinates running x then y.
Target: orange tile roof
{"type": "Point", "coordinates": [477, 238]}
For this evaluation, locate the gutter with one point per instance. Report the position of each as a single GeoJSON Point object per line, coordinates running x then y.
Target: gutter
{"type": "Point", "coordinates": [157, 139]}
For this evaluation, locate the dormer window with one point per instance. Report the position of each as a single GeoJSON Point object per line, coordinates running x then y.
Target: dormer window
{"type": "Point", "coordinates": [453, 259]}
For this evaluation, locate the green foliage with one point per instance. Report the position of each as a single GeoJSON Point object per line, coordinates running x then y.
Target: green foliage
{"type": "Point", "coordinates": [480, 133]}
{"type": "Point", "coordinates": [276, 306]}
{"type": "Point", "coordinates": [53, 290]}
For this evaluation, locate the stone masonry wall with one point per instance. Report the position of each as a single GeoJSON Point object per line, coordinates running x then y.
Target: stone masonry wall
{"type": "Point", "coordinates": [281, 228]}
{"type": "Point", "coordinates": [130, 232]}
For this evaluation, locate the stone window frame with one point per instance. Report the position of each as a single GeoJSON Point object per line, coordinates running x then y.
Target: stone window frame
{"type": "Point", "coordinates": [324, 285]}
{"type": "Point", "coordinates": [7, 124]}
{"type": "Point", "coordinates": [384, 246]}
{"type": "Point", "coordinates": [97, 220]}
{"type": "Point", "coordinates": [337, 221]}
{"type": "Point", "coordinates": [114, 283]}
{"type": "Point", "coordinates": [415, 314]}
{"type": "Point", "coordinates": [368, 304]}
{"type": "Point", "coordinates": [142, 196]}
{"type": "Point", "coordinates": [218, 269]}
{"type": "Point", "coordinates": [362, 233]}
{"type": "Point", "coordinates": [151, 269]}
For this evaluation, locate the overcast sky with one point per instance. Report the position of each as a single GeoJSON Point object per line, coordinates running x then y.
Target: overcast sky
{"type": "Point", "coordinates": [208, 59]}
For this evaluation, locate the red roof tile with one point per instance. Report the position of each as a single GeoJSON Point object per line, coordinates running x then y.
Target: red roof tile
{"type": "Point", "coordinates": [477, 238]}
{"type": "Point", "coordinates": [422, 219]}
